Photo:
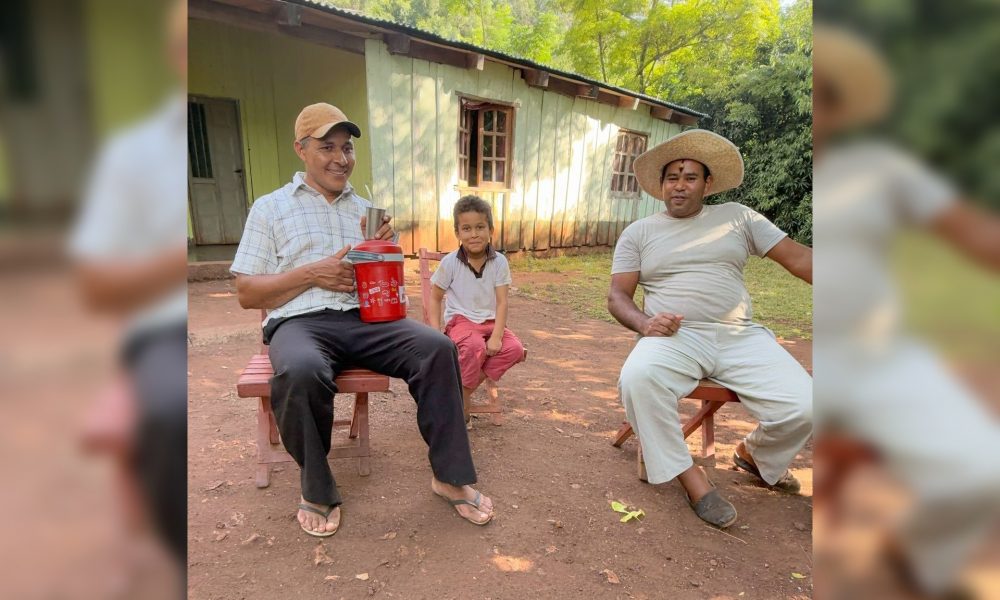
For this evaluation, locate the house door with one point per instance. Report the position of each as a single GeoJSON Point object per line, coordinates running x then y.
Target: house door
{"type": "Point", "coordinates": [217, 192]}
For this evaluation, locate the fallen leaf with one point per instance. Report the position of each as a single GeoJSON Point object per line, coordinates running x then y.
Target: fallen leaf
{"type": "Point", "coordinates": [612, 578]}
{"type": "Point", "coordinates": [389, 536]}
{"type": "Point", "coordinates": [321, 557]}
{"type": "Point", "coordinates": [214, 486]}
{"type": "Point", "coordinates": [362, 576]}
{"type": "Point", "coordinates": [332, 578]}
{"type": "Point", "coordinates": [221, 535]}
{"type": "Point", "coordinates": [635, 514]}
{"type": "Point", "coordinates": [798, 575]}
{"type": "Point", "coordinates": [618, 507]}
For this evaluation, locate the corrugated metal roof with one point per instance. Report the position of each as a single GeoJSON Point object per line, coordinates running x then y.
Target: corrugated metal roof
{"type": "Point", "coordinates": [435, 38]}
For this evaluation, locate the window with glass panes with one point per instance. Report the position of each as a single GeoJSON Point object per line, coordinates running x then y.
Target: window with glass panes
{"type": "Point", "coordinates": [484, 142]}
{"type": "Point", "coordinates": [629, 145]}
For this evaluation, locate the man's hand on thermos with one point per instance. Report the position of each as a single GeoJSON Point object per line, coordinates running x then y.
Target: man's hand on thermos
{"type": "Point", "coordinates": [334, 273]}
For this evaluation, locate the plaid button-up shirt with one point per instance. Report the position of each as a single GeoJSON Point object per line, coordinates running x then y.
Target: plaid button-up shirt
{"type": "Point", "coordinates": [294, 226]}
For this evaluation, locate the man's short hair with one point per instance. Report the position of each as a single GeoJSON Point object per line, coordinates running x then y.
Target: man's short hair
{"type": "Point", "coordinates": [473, 203]}
{"type": "Point", "coordinates": [663, 171]}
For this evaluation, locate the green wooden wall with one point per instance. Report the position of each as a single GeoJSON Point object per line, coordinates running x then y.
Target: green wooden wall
{"type": "Point", "coordinates": [561, 171]}
{"type": "Point", "coordinates": [127, 70]}
{"type": "Point", "coordinates": [272, 77]}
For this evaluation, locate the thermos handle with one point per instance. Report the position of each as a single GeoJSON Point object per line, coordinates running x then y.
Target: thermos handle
{"type": "Point", "coordinates": [361, 256]}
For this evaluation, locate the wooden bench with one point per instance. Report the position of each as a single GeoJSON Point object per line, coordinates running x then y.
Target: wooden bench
{"type": "Point", "coordinates": [713, 397]}
{"type": "Point", "coordinates": [255, 382]}
{"type": "Point", "coordinates": [495, 405]}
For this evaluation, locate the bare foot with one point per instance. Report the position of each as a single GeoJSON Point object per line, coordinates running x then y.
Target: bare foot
{"type": "Point", "coordinates": [469, 512]}
{"type": "Point", "coordinates": [695, 482]}
{"type": "Point", "coordinates": [316, 521]}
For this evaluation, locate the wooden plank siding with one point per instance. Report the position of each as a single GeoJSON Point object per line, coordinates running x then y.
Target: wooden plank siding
{"type": "Point", "coordinates": [560, 158]}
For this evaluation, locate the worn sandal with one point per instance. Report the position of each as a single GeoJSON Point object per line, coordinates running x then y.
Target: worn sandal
{"type": "Point", "coordinates": [714, 509]}
{"type": "Point", "coordinates": [786, 483]}
{"type": "Point", "coordinates": [323, 513]}
{"type": "Point", "coordinates": [473, 503]}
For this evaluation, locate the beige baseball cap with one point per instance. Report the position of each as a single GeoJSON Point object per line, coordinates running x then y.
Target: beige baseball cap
{"type": "Point", "coordinates": [316, 120]}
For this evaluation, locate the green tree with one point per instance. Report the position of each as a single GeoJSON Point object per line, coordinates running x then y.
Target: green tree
{"type": "Point", "coordinates": [666, 48]}
{"type": "Point", "coordinates": [767, 112]}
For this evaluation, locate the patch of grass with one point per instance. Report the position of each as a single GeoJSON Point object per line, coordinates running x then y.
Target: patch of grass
{"type": "Point", "coordinates": [947, 299]}
{"type": "Point", "coordinates": [781, 302]}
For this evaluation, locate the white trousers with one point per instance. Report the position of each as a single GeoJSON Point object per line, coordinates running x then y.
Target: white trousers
{"type": "Point", "coordinates": [933, 435]}
{"type": "Point", "coordinates": [771, 385]}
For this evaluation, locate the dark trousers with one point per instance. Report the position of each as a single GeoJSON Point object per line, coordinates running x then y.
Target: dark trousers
{"type": "Point", "coordinates": [308, 351]}
{"type": "Point", "coordinates": [156, 362]}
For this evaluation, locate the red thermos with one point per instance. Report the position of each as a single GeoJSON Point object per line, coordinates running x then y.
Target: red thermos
{"type": "Point", "coordinates": [378, 270]}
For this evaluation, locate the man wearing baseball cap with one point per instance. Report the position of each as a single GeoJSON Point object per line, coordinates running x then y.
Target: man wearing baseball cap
{"type": "Point", "coordinates": [697, 321]}
{"type": "Point", "coordinates": [291, 262]}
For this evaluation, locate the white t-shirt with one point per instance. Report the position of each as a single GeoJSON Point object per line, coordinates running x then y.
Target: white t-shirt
{"type": "Point", "coordinates": [472, 297]}
{"type": "Point", "coordinates": [864, 193]}
{"type": "Point", "coordinates": [694, 266]}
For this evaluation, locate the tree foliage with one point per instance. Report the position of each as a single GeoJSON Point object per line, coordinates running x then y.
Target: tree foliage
{"type": "Point", "coordinates": [766, 110]}
{"type": "Point", "coordinates": [944, 57]}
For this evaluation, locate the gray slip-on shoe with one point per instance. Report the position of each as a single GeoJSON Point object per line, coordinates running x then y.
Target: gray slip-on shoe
{"type": "Point", "coordinates": [714, 509]}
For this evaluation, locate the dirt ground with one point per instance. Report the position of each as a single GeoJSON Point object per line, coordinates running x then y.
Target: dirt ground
{"type": "Point", "coordinates": [550, 469]}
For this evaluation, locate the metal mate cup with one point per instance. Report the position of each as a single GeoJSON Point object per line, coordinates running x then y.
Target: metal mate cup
{"type": "Point", "coordinates": [373, 221]}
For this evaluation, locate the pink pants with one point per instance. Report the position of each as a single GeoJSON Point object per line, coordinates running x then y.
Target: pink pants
{"type": "Point", "coordinates": [471, 341]}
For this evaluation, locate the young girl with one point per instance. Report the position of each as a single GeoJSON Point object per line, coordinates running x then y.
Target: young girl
{"type": "Point", "coordinates": [476, 279]}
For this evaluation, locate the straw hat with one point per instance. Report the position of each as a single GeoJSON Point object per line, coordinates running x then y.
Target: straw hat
{"type": "Point", "coordinates": [856, 71]}
{"type": "Point", "coordinates": [711, 149]}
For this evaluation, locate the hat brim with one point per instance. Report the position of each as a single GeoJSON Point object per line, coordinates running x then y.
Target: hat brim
{"type": "Point", "coordinates": [721, 156]}
{"type": "Point", "coordinates": [322, 130]}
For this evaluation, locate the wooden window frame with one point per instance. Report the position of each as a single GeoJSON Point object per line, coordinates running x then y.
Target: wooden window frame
{"type": "Point", "coordinates": [621, 165]}
{"type": "Point", "coordinates": [466, 153]}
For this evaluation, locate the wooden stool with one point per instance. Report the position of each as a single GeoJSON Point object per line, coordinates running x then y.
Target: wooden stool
{"type": "Point", "coordinates": [255, 382]}
{"type": "Point", "coordinates": [713, 397]}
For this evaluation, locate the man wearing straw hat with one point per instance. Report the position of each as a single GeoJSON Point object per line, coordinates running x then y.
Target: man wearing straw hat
{"type": "Point", "coordinates": [876, 381]}
{"type": "Point", "coordinates": [696, 322]}
{"type": "Point", "coordinates": [291, 261]}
